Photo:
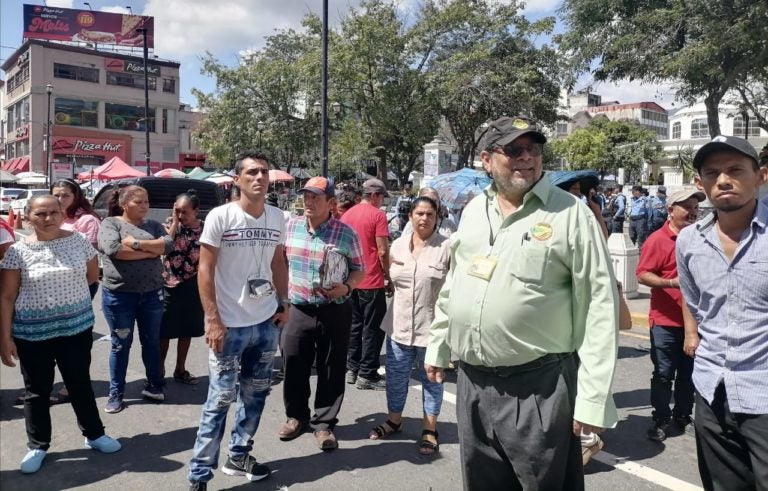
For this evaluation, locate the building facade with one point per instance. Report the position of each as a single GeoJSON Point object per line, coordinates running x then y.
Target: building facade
{"type": "Point", "coordinates": [96, 109]}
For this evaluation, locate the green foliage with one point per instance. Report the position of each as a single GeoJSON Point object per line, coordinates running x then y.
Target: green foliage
{"type": "Point", "coordinates": [705, 48]}
{"type": "Point", "coordinates": [609, 145]}
{"type": "Point", "coordinates": [484, 60]}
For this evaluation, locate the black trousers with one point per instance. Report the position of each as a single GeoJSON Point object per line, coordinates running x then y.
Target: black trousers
{"type": "Point", "coordinates": [516, 426]}
{"type": "Point", "coordinates": [732, 449]}
{"type": "Point", "coordinates": [617, 225]}
{"type": "Point", "coordinates": [316, 334]}
{"type": "Point", "coordinates": [73, 356]}
{"type": "Point", "coordinates": [366, 337]}
{"type": "Point", "coordinates": [638, 231]}
{"type": "Point", "coordinates": [670, 364]}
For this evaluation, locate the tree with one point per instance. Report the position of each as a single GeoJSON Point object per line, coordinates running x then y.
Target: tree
{"type": "Point", "coordinates": [484, 61]}
{"type": "Point", "coordinates": [606, 146]}
{"type": "Point", "coordinates": [271, 85]}
{"type": "Point", "coordinates": [705, 48]}
{"type": "Point", "coordinates": [377, 72]}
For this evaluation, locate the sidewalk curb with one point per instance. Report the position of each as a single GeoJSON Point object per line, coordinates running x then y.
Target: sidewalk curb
{"type": "Point", "coordinates": [639, 320]}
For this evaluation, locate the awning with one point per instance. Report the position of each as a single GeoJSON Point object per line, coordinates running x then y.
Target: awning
{"type": "Point", "coordinates": [8, 165]}
{"type": "Point", "coordinates": [22, 165]}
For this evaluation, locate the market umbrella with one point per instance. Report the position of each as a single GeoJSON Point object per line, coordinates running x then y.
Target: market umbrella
{"type": "Point", "coordinates": [564, 178]}
{"type": "Point", "coordinates": [170, 173]}
{"type": "Point", "coordinates": [220, 178]}
{"type": "Point", "coordinates": [456, 189]}
{"type": "Point", "coordinates": [7, 177]}
{"type": "Point", "coordinates": [30, 178]}
{"type": "Point", "coordinates": [277, 175]}
{"type": "Point", "coordinates": [199, 173]}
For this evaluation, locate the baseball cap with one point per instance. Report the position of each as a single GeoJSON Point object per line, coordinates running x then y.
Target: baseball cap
{"type": "Point", "coordinates": [684, 194]}
{"type": "Point", "coordinates": [320, 185]}
{"type": "Point", "coordinates": [662, 190]}
{"type": "Point", "coordinates": [506, 130]}
{"type": "Point", "coordinates": [723, 142]}
{"type": "Point", "coordinates": [374, 186]}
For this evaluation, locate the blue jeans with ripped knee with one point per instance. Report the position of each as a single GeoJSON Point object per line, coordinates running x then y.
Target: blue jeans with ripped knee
{"type": "Point", "coordinates": [246, 357]}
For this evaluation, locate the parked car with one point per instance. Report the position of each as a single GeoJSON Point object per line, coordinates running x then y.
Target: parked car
{"type": "Point", "coordinates": [162, 193]}
{"type": "Point", "coordinates": [20, 202]}
{"type": "Point", "coordinates": [6, 196]}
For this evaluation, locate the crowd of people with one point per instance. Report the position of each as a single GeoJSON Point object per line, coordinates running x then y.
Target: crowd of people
{"type": "Point", "coordinates": [314, 290]}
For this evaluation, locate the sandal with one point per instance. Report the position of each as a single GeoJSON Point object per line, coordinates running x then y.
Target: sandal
{"type": "Point", "coordinates": [427, 447]}
{"type": "Point", "coordinates": [185, 378]}
{"type": "Point", "coordinates": [384, 430]}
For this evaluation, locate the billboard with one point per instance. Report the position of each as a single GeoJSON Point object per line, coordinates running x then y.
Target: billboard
{"type": "Point", "coordinates": [87, 26]}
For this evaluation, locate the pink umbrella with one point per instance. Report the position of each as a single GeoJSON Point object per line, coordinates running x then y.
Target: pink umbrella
{"type": "Point", "coordinates": [170, 173]}
{"type": "Point", "coordinates": [277, 175]}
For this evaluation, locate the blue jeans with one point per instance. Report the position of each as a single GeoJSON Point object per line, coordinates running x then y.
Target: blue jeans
{"type": "Point", "coordinates": [670, 364]}
{"type": "Point", "coordinates": [400, 358]}
{"type": "Point", "coordinates": [246, 357]}
{"type": "Point", "coordinates": [122, 310]}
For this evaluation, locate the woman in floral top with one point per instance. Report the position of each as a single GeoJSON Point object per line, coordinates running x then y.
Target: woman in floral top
{"type": "Point", "coordinates": [183, 312]}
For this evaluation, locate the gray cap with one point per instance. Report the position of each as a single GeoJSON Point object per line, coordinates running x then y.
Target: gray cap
{"type": "Point", "coordinates": [662, 190]}
{"type": "Point", "coordinates": [374, 186]}
{"type": "Point", "coordinates": [684, 194]}
{"type": "Point", "coordinates": [727, 143]}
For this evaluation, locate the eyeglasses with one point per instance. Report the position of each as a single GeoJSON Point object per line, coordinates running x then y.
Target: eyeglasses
{"type": "Point", "coordinates": [516, 151]}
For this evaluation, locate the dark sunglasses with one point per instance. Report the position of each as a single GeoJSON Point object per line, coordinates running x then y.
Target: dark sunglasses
{"type": "Point", "coordinates": [515, 151]}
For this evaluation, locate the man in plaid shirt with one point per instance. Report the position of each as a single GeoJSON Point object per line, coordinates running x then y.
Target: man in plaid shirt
{"type": "Point", "coordinates": [318, 327]}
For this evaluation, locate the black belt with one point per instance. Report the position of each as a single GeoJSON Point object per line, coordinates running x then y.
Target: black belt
{"type": "Point", "coordinates": [637, 217]}
{"type": "Point", "coordinates": [313, 307]}
{"type": "Point", "coordinates": [508, 371]}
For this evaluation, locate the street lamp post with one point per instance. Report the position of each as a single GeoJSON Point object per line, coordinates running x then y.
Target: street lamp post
{"type": "Point", "coordinates": [260, 127]}
{"type": "Point", "coordinates": [48, 178]}
{"type": "Point", "coordinates": [324, 97]}
{"type": "Point", "coordinates": [143, 31]}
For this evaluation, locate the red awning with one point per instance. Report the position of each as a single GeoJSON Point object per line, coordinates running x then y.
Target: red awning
{"type": "Point", "coordinates": [8, 165]}
{"type": "Point", "coordinates": [22, 165]}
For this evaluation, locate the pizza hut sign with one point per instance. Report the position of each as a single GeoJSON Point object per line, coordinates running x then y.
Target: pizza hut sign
{"type": "Point", "coordinates": [86, 146]}
{"type": "Point", "coordinates": [116, 64]}
{"type": "Point", "coordinates": [22, 132]}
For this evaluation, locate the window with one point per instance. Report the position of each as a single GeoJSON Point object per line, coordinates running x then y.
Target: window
{"type": "Point", "coordinates": [18, 114]}
{"type": "Point", "coordinates": [562, 129]}
{"type": "Point", "coordinates": [165, 120]}
{"type": "Point", "coordinates": [676, 130]}
{"type": "Point", "coordinates": [170, 154]}
{"type": "Point", "coordinates": [122, 117]}
{"type": "Point", "coordinates": [18, 78]}
{"type": "Point", "coordinates": [132, 80]}
{"type": "Point", "coordinates": [699, 128]}
{"type": "Point", "coordinates": [738, 127]}
{"type": "Point", "coordinates": [72, 72]}
{"type": "Point", "coordinates": [74, 112]}
{"type": "Point", "coordinates": [169, 85]}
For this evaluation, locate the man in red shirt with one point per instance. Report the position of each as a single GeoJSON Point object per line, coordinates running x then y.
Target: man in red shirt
{"type": "Point", "coordinates": [369, 304]}
{"type": "Point", "coordinates": [658, 270]}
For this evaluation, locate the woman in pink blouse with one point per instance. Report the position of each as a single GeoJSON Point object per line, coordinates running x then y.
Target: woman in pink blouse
{"type": "Point", "coordinates": [78, 213]}
{"type": "Point", "coordinates": [419, 262]}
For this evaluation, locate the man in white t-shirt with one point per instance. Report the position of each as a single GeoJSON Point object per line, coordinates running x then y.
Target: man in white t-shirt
{"type": "Point", "coordinates": [243, 281]}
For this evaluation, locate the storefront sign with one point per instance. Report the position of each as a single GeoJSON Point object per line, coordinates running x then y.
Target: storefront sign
{"type": "Point", "coordinates": [22, 132]}
{"type": "Point", "coordinates": [23, 59]}
{"type": "Point", "coordinates": [88, 146]}
{"type": "Point", "coordinates": [62, 170]}
{"type": "Point", "coordinates": [87, 26]}
{"type": "Point", "coordinates": [117, 65]}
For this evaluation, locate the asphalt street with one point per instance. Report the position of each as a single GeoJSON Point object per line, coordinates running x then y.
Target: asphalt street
{"type": "Point", "coordinates": [157, 438]}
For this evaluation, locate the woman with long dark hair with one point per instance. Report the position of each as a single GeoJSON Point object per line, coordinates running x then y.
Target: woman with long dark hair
{"type": "Point", "coordinates": [46, 319]}
{"type": "Point", "coordinates": [78, 212]}
{"type": "Point", "coordinates": [182, 310]}
{"type": "Point", "coordinates": [131, 246]}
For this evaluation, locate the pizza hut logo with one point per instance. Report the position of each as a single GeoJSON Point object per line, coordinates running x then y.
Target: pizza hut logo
{"type": "Point", "coordinates": [22, 132]}
{"type": "Point", "coordinates": [86, 19]}
{"type": "Point", "coordinates": [38, 9]}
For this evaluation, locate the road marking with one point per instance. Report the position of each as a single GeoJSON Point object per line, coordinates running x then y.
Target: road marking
{"type": "Point", "coordinates": [645, 472]}
{"type": "Point", "coordinates": [631, 334]}
{"type": "Point", "coordinates": [639, 470]}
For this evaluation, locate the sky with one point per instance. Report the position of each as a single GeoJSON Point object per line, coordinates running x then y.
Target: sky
{"type": "Point", "coordinates": [186, 29]}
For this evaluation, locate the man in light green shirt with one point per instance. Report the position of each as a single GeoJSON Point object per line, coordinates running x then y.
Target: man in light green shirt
{"type": "Point", "coordinates": [530, 287]}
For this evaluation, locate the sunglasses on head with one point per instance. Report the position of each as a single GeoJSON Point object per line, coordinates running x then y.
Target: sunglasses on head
{"type": "Point", "coordinates": [514, 151]}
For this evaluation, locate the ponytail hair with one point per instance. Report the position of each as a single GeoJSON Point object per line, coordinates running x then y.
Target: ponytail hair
{"type": "Point", "coordinates": [120, 196]}
{"type": "Point", "coordinates": [191, 196]}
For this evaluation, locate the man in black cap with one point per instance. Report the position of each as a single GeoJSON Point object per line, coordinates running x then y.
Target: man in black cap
{"type": "Point", "coordinates": [533, 310]}
{"type": "Point", "coordinates": [722, 263]}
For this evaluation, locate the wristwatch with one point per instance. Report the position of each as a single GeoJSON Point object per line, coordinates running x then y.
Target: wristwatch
{"type": "Point", "coordinates": [135, 245]}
